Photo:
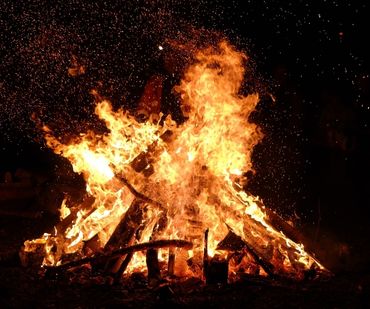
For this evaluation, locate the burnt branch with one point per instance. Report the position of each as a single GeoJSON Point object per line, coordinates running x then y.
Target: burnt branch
{"type": "Point", "coordinates": [157, 244]}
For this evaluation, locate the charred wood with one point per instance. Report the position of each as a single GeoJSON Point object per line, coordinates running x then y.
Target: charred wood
{"type": "Point", "coordinates": [281, 225]}
{"type": "Point", "coordinates": [123, 265]}
{"type": "Point", "coordinates": [156, 244]}
{"type": "Point", "coordinates": [234, 242]}
{"type": "Point", "coordinates": [124, 235]}
{"type": "Point", "coordinates": [152, 263]}
{"type": "Point", "coordinates": [154, 272]}
{"type": "Point", "coordinates": [231, 242]}
{"type": "Point", "coordinates": [127, 227]}
{"type": "Point", "coordinates": [171, 262]}
{"type": "Point", "coordinates": [137, 194]}
{"type": "Point", "coordinates": [205, 254]}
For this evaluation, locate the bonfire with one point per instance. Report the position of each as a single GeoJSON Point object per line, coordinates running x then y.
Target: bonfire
{"type": "Point", "coordinates": [166, 196]}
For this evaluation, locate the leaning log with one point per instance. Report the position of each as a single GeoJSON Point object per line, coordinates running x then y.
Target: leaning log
{"type": "Point", "coordinates": [127, 227]}
{"type": "Point", "coordinates": [282, 256]}
{"type": "Point", "coordinates": [281, 225]}
{"type": "Point", "coordinates": [123, 265]}
{"type": "Point", "coordinates": [124, 235]}
{"type": "Point", "coordinates": [234, 242]}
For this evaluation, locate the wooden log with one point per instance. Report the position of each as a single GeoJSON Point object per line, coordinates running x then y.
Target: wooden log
{"type": "Point", "coordinates": [113, 265]}
{"type": "Point", "coordinates": [152, 263]}
{"type": "Point", "coordinates": [123, 266]}
{"type": "Point", "coordinates": [124, 260]}
{"type": "Point", "coordinates": [215, 270]}
{"type": "Point", "coordinates": [269, 247]}
{"type": "Point", "coordinates": [205, 254]}
{"type": "Point", "coordinates": [297, 236]}
{"type": "Point", "coordinates": [156, 244]}
{"type": "Point", "coordinates": [281, 225]}
{"type": "Point", "coordinates": [234, 242]}
{"type": "Point", "coordinates": [124, 235]}
{"type": "Point", "coordinates": [171, 262]}
{"type": "Point", "coordinates": [154, 272]}
{"type": "Point", "coordinates": [127, 227]}
{"type": "Point", "coordinates": [143, 163]}
{"type": "Point", "coordinates": [231, 242]}
{"type": "Point", "coordinates": [265, 265]}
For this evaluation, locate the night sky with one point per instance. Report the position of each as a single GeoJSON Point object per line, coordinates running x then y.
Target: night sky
{"type": "Point", "coordinates": [312, 57]}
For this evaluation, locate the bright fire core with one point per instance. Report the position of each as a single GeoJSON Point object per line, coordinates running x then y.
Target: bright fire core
{"type": "Point", "coordinates": [195, 171]}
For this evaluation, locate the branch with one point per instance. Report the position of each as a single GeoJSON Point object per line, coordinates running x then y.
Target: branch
{"type": "Point", "coordinates": [157, 244]}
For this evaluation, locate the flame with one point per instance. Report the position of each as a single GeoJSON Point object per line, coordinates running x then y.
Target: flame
{"type": "Point", "coordinates": [64, 210]}
{"type": "Point", "coordinates": [196, 175]}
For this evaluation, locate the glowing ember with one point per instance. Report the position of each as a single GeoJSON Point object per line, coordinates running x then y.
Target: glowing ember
{"type": "Point", "coordinates": [191, 178]}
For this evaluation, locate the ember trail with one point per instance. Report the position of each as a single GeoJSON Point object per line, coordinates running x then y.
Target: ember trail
{"type": "Point", "coordinates": [173, 191]}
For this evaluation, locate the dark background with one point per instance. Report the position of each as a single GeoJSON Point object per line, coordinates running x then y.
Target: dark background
{"type": "Point", "coordinates": [313, 164]}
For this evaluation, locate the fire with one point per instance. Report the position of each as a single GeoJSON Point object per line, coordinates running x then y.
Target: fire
{"type": "Point", "coordinates": [192, 172]}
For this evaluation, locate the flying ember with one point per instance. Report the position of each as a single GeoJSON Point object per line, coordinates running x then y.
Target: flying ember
{"type": "Point", "coordinates": [161, 180]}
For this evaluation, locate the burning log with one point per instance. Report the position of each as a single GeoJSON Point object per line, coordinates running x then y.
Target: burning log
{"type": "Point", "coordinates": [156, 244]}
{"type": "Point", "coordinates": [236, 243]}
{"type": "Point", "coordinates": [123, 266]}
{"type": "Point", "coordinates": [124, 260]}
{"type": "Point", "coordinates": [124, 235]}
{"type": "Point", "coordinates": [205, 253]}
{"type": "Point", "coordinates": [171, 262]}
{"type": "Point", "coordinates": [127, 227]}
{"type": "Point", "coordinates": [279, 255]}
{"type": "Point", "coordinates": [154, 272]}
{"type": "Point", "coordinates": [281, 225]}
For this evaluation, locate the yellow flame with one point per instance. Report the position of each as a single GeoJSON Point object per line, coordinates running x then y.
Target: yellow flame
{"type": "Point", "coordinates": [64, 210]}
